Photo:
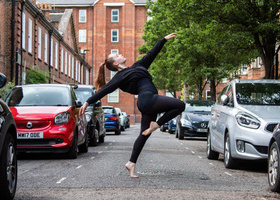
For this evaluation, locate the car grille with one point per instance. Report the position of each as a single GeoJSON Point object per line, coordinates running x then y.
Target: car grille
{"type": "Point", "coordinates": [200, 124]}
{"type": "Point", "coordinates": [270, 127]}
{"type": "Point", "coordinates": [39, 141]}
{"type": "Point", "coordinates": [35, 124]}
{"type": "Point", "coordinates": [262, 149]}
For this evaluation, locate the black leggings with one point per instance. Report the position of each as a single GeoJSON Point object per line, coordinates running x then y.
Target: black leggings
{"type": "Point", "coordinates": [171, 107]}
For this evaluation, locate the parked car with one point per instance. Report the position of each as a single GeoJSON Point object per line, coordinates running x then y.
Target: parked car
{"type": "Point", "coordinates": [112, 121]}
{"type": "Point", "coordinates": [127, 121]}
{"type": "Point", "coordinates": [193, 122]}
{"type": "Point", "coordinates": [94, 114]}
{"type": "Point", "coordinates": [47, 119]}
{"type": "Point", "coordinates": [122, 118]}
{"type": "Point", "coordinates": [172, 126]}
{"type": "Point", "coordinates": [163, 127]}
{"type": "Point", "coordinates": [274, 161]}
{"type": "Point", "coordinates": [8, 150]}
{"type": "Point", "coordinates": [243, 119]}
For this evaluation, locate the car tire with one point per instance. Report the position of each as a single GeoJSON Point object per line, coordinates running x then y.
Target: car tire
{"type": "Point", "coordinates": [176, 133]}
{"type": "Point", "coordinates": [273, 168]}
{"type": "Point", "coordinates": [211, 155]}
{"type": "Point", "coordinates": [122, 128]}
{"type": "Point", "coordinates": [8, 168]}
{"type": "Point", "coordinates": [118, 132]}
{"type": "Point", "coordinates": [83, 148]}
{"type": "Point", "coordinates": [229, 162]}
{"type": "Point", "coordinates": [180, 135]}
{"type": "Point", "coordinates": [73, 151]}
{"type": "Point", "coordinates": [93, 140]}
{"type": "Point", "coordinates": [101, 139]}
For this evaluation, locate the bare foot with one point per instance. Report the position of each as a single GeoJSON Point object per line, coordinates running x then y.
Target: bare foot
{"type": "Point", "coordinates": [153, 126]}
{"type": "Point", "coordinates": [130, 166]}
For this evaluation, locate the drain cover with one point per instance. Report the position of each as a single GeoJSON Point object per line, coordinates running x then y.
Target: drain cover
{"type": "Point", "coordinates": [174, 174]}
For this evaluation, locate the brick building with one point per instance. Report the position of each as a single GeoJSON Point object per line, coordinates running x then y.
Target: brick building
{"type": "Point", "coordinates": [43, 39]}
{"type": "Point", "coordinates": [105, 27]}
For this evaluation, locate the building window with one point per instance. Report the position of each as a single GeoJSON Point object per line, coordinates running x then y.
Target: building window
{"type": "Point", "coordinates": [259, 64]}
{"type": "Point", "coordinates": [82, 35]}
{"type": "Point", "coordinates": [79, 71]}
{"type": "Point", "coordinates": [87, 76]}
{"type": "Point", "coordinates": [39, 42]}
{"type": "Point", "coordinates": [224, 80]}
{"type": "Point", "coordinates": [114, 51]}
{"type": "Point", "coordinates": [72, 75]}
{"type": "Point", "coordinates": [115, 35]}
{"type": "Point", "coordinates": [208, 95]}
{"type": "Point", "coordinates": [82, 16]}
{"type": "Point", "coordinates": [51, 52]}
{"type": "Point", "coordinates": [115, 15]}
{"type": "Point", "coordinates": [61, 63]}
{"type": "Point", "coordinates": [114, 97]}
{"type": "Point", "coordinates": [69, 68]}
{"type": "Point", "coordinates": [243, 70]}
{"type": "Point", "coordinates": [56, 55]}
{"type": "Point", "coordinates": [76, 69]}
{"type": "Point", "coordinates": [46, 48]}
{"type": "Point", "coordinates": [82, 74]}
{"type": "Point", "coordinates": [66, 66]}
{"type": "Point", "coordinates": [23, 31]}
{"type": "Point", "coordinates": [30, 28]}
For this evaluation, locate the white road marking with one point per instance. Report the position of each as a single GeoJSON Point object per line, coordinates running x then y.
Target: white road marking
{"type": "Point", "coordinates": [99, 152]}
{"type": "Point", "coordinates": [200, 157]}
{"type": "Point", "coordinates": [79, 167]}
{"type": "Point", "coordinates": [60, 181]}
{"type": "Point", "coordinates": [92, 157]}
{"type": "Point", "coordinates": [193, 152]}
{"type": "Point", "coordinates": [211, 164]}
{"type": "Point", "coordinates": [187, 148]}
{"type": "Point", "coordinates": [228, 174]}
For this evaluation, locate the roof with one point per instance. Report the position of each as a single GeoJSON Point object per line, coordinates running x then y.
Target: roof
{"type": "Point", "coordinates": [81, 2]}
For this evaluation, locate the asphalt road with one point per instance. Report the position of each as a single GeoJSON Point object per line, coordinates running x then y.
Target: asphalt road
{"type": "Point", "coordinates": [168, 168]}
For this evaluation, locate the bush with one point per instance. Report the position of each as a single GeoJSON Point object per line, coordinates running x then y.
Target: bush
{"type": "Point", "coordinates": [35, 76]}
{"type": "Point", "coordinates": [5, 90]}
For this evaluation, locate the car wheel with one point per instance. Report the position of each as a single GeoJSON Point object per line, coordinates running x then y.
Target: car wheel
{"type": "Point", "coordinates": [176, 132]}
{"type": "Point", "coordinates": [212, 155]}
{"type": "Point", "coordinates": [93, 140]}
{"type": "Point", "coordinates": [83, 148]}
{"type": "Point", "coordinates": [8, 168]}
{"type": "Point", "coordinates": [273, 168]}
{"type": "Point", "coordinates": [73, 151]}
{"type": "Point", "coordinates": [122, 128]}
{"type": "Point", "coordinates": [228, 160]}
{"type": "Point", "coordinates": [101, 139]}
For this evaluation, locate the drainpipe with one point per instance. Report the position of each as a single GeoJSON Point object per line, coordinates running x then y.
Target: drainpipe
{"type": "Point", "coordinates": [13, 42]}
{"type": "Point", "coordinates": [50, 42]}
{"type": "Point", "coordinates": [21, 39]}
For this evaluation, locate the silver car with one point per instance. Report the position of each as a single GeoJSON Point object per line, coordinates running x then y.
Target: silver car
{"type": "Point", "coordinates": [243, 119]}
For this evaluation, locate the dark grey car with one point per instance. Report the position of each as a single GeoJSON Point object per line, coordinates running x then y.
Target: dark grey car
{"type": "Point", "coordinates": [94, 114]}
{"type": "Point", "coordinates": [8, 159]}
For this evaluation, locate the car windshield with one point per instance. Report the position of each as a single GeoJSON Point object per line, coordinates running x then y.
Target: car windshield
{"type": "Point", "coordinates": [83, 94]}
{"type": "Point", "coordinates": [39, 96]}
{"type": "Point", "coordinates": [109, 111]}
{"type": "Point", "coordinates": [198, 106]}
{"type": "Point", "coordinates": [258, 93]}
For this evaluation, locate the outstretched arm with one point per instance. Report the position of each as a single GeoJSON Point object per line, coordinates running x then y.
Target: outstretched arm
{"type": "Point", "coordinates": [147, 60]}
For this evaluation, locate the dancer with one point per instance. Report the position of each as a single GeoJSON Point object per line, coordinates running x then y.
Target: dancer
{"type": "Point", "coordinates": [137, 80]}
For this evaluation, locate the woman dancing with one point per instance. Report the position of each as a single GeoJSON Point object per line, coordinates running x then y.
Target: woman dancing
{"type": "Point", "coordinates": [137, 80]}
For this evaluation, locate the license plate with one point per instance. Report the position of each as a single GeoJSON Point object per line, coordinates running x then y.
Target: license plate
{"type": "Point", "coordinates": [36, 135]}
{"type": "Point", "coordinates": [201, 130]}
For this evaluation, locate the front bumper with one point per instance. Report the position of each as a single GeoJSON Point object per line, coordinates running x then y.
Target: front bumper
{"type": "Point", "coordinates": [194, 132]}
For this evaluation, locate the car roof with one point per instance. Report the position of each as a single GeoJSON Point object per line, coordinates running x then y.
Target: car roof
{"type": "Point", "coordinates": [255, 81]}
{"type": "Point", "coordinates": [43, 85]}
{"type": "Point", "coordinates": [107, 106]}
{"type": "Point", "coordinates": [85, 86]}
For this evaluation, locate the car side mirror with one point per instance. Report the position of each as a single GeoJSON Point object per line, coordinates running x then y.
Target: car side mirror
{"type": "Point", "coordinates": [97, 104]}
{"type": "Point", "coordinates": [224, 99]}
{"type": "Point", "coordinates": [3, 80]}
{"type": "Point", "coordinates": [78, 103]}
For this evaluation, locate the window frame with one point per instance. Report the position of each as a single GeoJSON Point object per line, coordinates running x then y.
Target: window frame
{"type": "Point", "coordinates": [112, 16]}
{"type": "Point", "coordinates": [112, 36]}
{"type": "Point", "coordinates": [82, 14]}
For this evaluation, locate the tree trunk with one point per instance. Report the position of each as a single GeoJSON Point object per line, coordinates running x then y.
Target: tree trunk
{"type": "Point", "coordinates": [186, 91]}
{"type": "Point", "coordinates": [213, 90]}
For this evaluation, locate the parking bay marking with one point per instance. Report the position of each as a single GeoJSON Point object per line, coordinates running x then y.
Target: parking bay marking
{"type": "Point", "coordinates": [60, 181]}
{"type": "Point", "coordinates": [228, 174]}
{"type": "Point", "coordinates": [79, 167]}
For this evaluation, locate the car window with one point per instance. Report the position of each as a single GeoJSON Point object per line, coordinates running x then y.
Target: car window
{"type": "Point", "coordinates": [83, 94]}
{"type": "Point", "coordinates": [39, 96]}
{"type": "Point", "coordinates": [109, 110]}
{"type": "Point", "coordinates": [258, 93]}
{"type": "Point", "coordinates": [229, 93]}
{"type": "Point", "coordinates": [199, 106]}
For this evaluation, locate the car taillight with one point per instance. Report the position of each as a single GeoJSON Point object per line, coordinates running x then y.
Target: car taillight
{"type": "Point", "coordinates": [113, 118]}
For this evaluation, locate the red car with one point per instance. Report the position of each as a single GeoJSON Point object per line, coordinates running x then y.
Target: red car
{"type": "Point", "coordinates": [47, 119]}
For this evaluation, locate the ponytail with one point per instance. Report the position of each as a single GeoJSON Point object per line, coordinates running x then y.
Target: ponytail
{"type": "Point", "coordinates": [100, 79]}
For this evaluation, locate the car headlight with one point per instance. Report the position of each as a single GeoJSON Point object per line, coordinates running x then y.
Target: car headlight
{"type": "Point", "coordinates": [185, 122]}
{"type": "Point", "coordinates": [61, 118]}
{"type": "Point", "coordinates": [88, 117]}
{"type": "Point", "coordinates": [247, 121]}
{"type": "Point", "coordinates": [174, 121]}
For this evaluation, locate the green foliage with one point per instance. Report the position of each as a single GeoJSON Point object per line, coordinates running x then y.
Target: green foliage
{"type": "Point", "coordinates": [36, 76]}
{"type": "Point", "coordinates": [5, 90]}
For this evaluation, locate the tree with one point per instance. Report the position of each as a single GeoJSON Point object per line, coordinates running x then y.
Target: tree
{"type": "Point", "coordinates": [257, 18]}
{"type": "Point", "coordinates": [36, 76]}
